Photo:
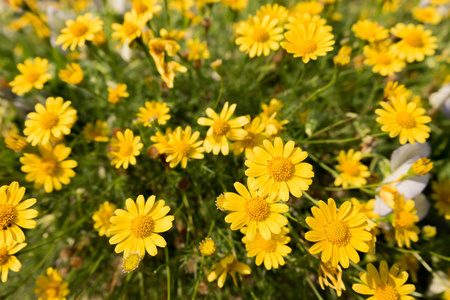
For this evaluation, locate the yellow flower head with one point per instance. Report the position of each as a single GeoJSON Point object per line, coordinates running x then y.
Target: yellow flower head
{"type": "Point", "coordinates": [220, 202]}
{"type": "Point", "coordinates": [422, 166]}
{"type": "Point", "coordinates": [207, 247]}
{"type": "Point", "coordinates": [394, 90]}
{"type": "Point", "coordinates": [145, 9]}
{"type": "Point", "coordinates": [405, 219]}
{"type": "Point", "coordinates": [343, 56]}
{"type": "Point", "coordinates": [154, 111]}
{"type": "Point", "coordinates": [271, 251]}
{"type": "Point", "coordinates": [255, 137]}
{"type": "Point", "coordinates": [73, 74]}
{"type": "Point", "coordinates": [274, 106]}
{"type": "Point", "coordinates": [120, 91]}
{"type": "Point", "coordinates": [441, 194]}
{"type": "Point", "coordinates": [429, 231]}
{"type": "Point", "coordinates": [54, 120]}
{"type": "Point", "coordinates": [51, 286]}
{"type": "Point", "coordinates": [183, 146]}
{"type": "Point", "coordinates": [98, 132]}
{"type": "Point", "coordinates": [101, 218]}
{"type": "Point", "coordinates": [197, 49]}
{"type": "Point", "coordinates": [337, 233]}
{"type": "Point", "coordinates": [158, 48]}
{"type": "Point", "coordinates": [161, 140]}
{"type": "Point", "coordinates": [15, 214]}
{"type": "Point", "coordinates": [33, 75]}
{"type": "Point", "coordinates": [332, 277]}
{"type": "Point", "coordinates": [50, 169]}
{"type": "Point", "coordinates": [167, 71]}
{"type": "Point", "coordinates": [306, 20]}
{"type": "Point", "coordinates": [367, 209]}
{"type": "Point", "coordinates": [258, 36]}
{"type": "Point", "coordinates": [404, 119]}
{"type": "Point", "coordinates": [130, 30]}
{"type": "Point", "coordinates": [222, 129]}
{"type": "Point", "coordinates": [77, 32]}
{"type": "Point", "coordinates": [250, 209]}
{"type": "Point", "coordinates": [385, 284]}
{"type": "Point", "coordinates": [370, 31]}
{"type": "Point", "coordinates": [131, 262]}
{"type": "Point", "coordinates": [230, 265]}
{"type": "Point", "coordinates": [238, 5]}
{"type": "Point", "coordinates": [427, 14]}
{"type": "Point", "coordinates": [383, 59]}
{"type": "Point", "coordinates": [174, 35]}
{"type": "Point", "coordinates": [273, 125]}
{"type": "Point", "coordinates": [125, 147]}
{"type": "Point", "coordinates": [276, 11]}
{"type": "Point", "coordinates": [352, 172]}
{"type": "Point", "coordinates": [416, 42]}
{"type": "Point", "coordinates": [136, 229]}
{"type": "Point", "coordinates": [7, 259]}
{"type": "Point", "coordinates": [279, 170]}
{"type": "Point", "coordinates": [15, 142]}
{"type": "Point", "coordinates": [308, 7]}
{"type": "Point", "coordinates": [308, 42]}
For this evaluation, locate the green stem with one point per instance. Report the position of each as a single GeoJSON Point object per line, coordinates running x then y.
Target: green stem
{"type": "Point", "coordinates": [211, 228]}
{"type": "Point", "coordinates": [338, 141]}
{"type": "Point", "coordinates": [220, 94]}
{"type": "Point", "coordinates": [325, 129]}
{"type": "Point", "coordinates": [167, 272]}
{"type": "Point", "coordinates": [313, 288]}
{"type": "Point", "coordinates": [297, 83]}
{"type": "Point", "coordinates": [308, 196]}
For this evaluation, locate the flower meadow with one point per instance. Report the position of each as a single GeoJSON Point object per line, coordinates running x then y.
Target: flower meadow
{"type": "Point", "coordinates": [225, 149]}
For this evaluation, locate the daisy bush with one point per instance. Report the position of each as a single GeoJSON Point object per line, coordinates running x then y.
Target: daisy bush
{"type": "Point", "coordinates": [224, 149]}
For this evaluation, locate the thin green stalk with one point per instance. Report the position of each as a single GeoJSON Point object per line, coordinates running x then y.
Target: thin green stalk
{"type": "Point", "coordinates": [211, 228]}
{"type": "Point", "coordinates": [338, 141]}
{"type": "Point", "coordinates": [325, 129]}
{"type": "Point", "coordinates": [167, 272]}
{"type": "Point", "coordinates": [220, 94]}
{"type": "Point", "coordinates": [147, 53]}
{"type": "Point", "coordinates": [166, 9]}
{"type": "Point", "coordinates": [313, 288]}
{"type": "Point", "coordinates": [430, 269]}
{"type": "Point", "coordinates": [308, 196]}
{"type": "Point", "coordinates": [297, 83]}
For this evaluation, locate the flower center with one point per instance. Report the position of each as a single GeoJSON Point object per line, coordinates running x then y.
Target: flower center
{"type": "Point", "coordinates": [338, 233]}
{"type": "Point", "coordinates": [249, 140]}
{"type": "Point", "coordinates": [307, 46]}
{"type": "Point", "coordinates": [183, 148]}
{"type": "Point", "coordinates": [48, 166]}
{"type": "Point", "coordinates": [386, 292]}
{"type": "Point", "coordinates": [7, 215]}
{"type": "Point", "coordinates": [261, 35]}
{"type": "Point", "coordinates": [220, 127]}
{"type": "Point", "coordinates": [158, 47]}
{"type": "Point", "coordinates": [140, 7]}
{"type": "Point", "coordinates": [280, 169]}
{"type": "Point", "coordinates": [406, 120]}
{"type": "Point", "coordinates": [142, 226]}
{"type": "Point", "coordinates": [405, 220]}
{"type": "Point", "coordinates": [32, 76]}
{"type": "Point", "coordinates": [126, 150]}
{"type": "Point", "coordinates": [4, 256]}
{"type": "Point", "coordinates": [414, 39]}
{"type": "Point", "coordinates": [350, 168]}
{"type": "Point", "coordinates": [384, 58]}
{"type": "Point", "coordinates": [52, 292]}
{"type": "Point", "coordinates": [78, 29]}
{"type": "Point", "coordinates": [270, 246]}
{"type": "Point", "coordinates": [129, 28]}
{"type": "Point", "coordinates": [48, 120]}
{"type": "Point", "coordinates": [257, 209]}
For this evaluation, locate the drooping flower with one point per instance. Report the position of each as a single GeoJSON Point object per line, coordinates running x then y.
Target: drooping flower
{"type": "Point", "coordinates": [7, 259]}
{"type": "Point", "coordinates": [255, 137]}
{"type": "Point", "coordinates": [332, 277]}
{"type": "Point", "coordinates": [274, 126]}
{"type": "Point", "coordinates": [183, 146]}
{"type": "Point", "coordinates": [227, 265]}
{"type": "Point", "coordinates": [130, 29]}
{"type": "Point", "coordinates": [115, 94]}
{"type": "Point", "coordinates": [337, 233]}
{"type": "Point", "coordinates": [352, 171]}
{"type": "Point", "coordinates": [370, 31]}
{"type": "Point", "coordinates": [159, 47]}
{"type": "Point", "coordinates": [279, 170]}
{"type": "Point", "coordinates": [441, 194]}
{"type": "Point", "coordinates": [137, 228]}
{"type": "Point", "coordinates": [154, 111]}
{"type": "Point", "coordinates": [34, 74]}
{"type": "Point", "coordinates": [408, 262]}
{"type": "Point", "coordinates": [385, 284]}
{"type": "Point", "coordinates": [77, 32]}
{"type": "Point", "coordinates": [50, 169]}
{"type": "Point", "coordinates": [125, 147]}
{"type": "Point", "coordinates": [197, 49]}
{"type": "Point", "coordinates": [53, 120]}
{"type": "Point", "coordinates": [383, 59]}
{"type": "Point", "coordinates": [73, 74]}
{"type": "Point", "coordinates": [222, 129]}
{"type": "Point", "coordinates": [51, 286]}
{"type": "Point", "coordinates": [167, 71]}
{"type": "Point", "coordinates": [207, 247]}
{"type": "Point", "coordinates": [97, 132]}
{"type": "Point", "coordinates": [101, 218]}
{"type": "Point", "coordinates": [405, 217]}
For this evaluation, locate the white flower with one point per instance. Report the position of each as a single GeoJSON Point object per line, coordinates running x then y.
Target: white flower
{"type": "Point", "coordinates": [441, 100]}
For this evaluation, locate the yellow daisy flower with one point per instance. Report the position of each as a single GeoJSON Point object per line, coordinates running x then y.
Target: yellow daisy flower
{"type": "Point", "coordinates": [352, 172]}
{"type": "Point", "coordinates": [197, 49]}
{"type": "Point", "coordinates": [415, 43]}
{"type": "Point", "coordinates": [258, 36]}
{"type": "Point", "coordinates": [130, 30]}
{"type": "Point", "coordinates": [97, 132]}
{"type": "Point", "coordinates": [33, 75]}
{"type": "Point", "coordinates": [230, 265]}
{"type": "Point", "coordinates": [370, 31]}
{"type": "Point", "coordinates": [254, 137]}
{"type": "Point", "coordinates": [306, 20]}
{"type": "Point", "coordinates": [308, 42]}
{"type": "Point", "coordinates": [174, 35]}
{"type": "Point", "coordinates": [118, 92]}
{"type": "Point", "coordinates": [427, 14]}
{"type": "Point", "coordinates": [394, 90]}
{"type": "Point", "coordinates": [404, 119]}
{"type": "Point", "coordinates": [161, 140]}
{"type": "Point", "coordinates": [385, 284]}
{"type": "Point", "coordinates": [337, 235]}
{"type": "Point", "coordinates": [278, 170]}
{"type": "Point", "coordinates": [274, 106]}
{"type": "Point", "coordinates": [274, 126]}
{"type": "Point", "coordinates": [137, 228]}
{"type": "Point", "coordinates": [145, 9]}
{"type": "Point", "coordinates": [238, 5]}
{"type": "Point", "coordinates": [73, 74]}
{"type": "Point", "coordinates": [15, 142]}
{"type": "Point", "coordinates": [167, 71]}
{"type": "Point", "coordinates": [125, 147]}
{"type": "Point", "coordinates": [154, 111]}
{"type": "Point", "coordinates": [276, 11]}
{"type": "Point", "coordinates": [102, 218]}
{"type": "Point", "coordinates": [51, 286]}
{"type": "Point", "coordinates": [183, 146]}
{"type": "Point", "coordinates": [50, 169]}
{"type": "Point", "coordinates": [270, 251]}
{"type": "Point", "coordinates": [332, 277]}
{"type": "Point", "coordinates": [343, 56]}
{"type": "Point", "coordinates": [308, 7]}
{"type": "Point", "coordinates": [405, 217]}
{"type": "Point", "coordinates": [222, 129]}
{"type": "Point", "coordinates": [367, 209]}
{"type": "Point", "coordinates": [250, 209]}
{"type": "Point", "coordinates": [15, 214]}
{"type": "Point", "coordinates": [54, 120]}
{"type": "Point", "coordinates": [441, 195]}
{"type": "Point", "coordinates": [77, 32]}
{"type": "Point", "coordinates": [7, 259]}
{"type": "Point", "coordinates": [207, 247]}
{"type": "Point", "coordinates": [383, 59]}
